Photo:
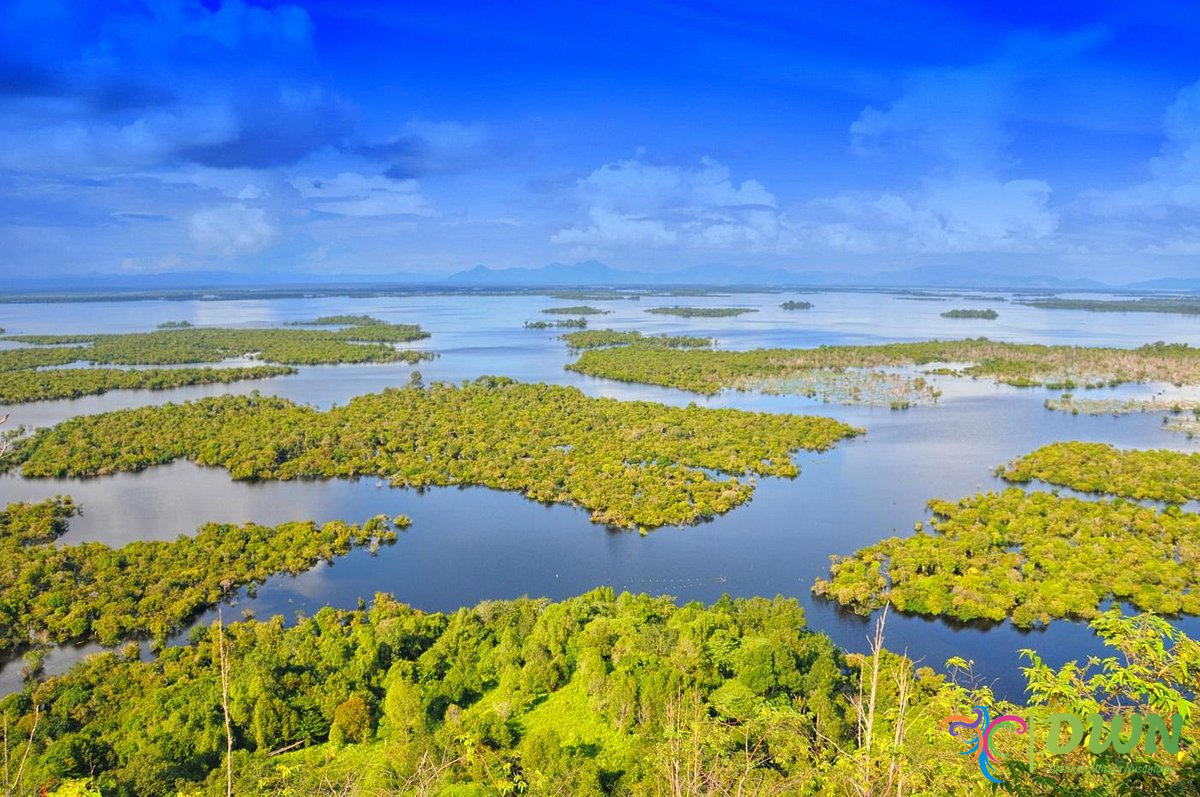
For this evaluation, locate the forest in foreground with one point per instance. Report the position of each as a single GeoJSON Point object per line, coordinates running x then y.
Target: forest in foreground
{"type": "Point", "coordinates": [602, 694]}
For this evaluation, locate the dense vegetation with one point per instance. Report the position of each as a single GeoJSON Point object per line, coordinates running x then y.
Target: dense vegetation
{"type": "Point", "coordinates": [988, 315]}
{"type": "Point", "coordinates": [1158, 474]}
{"type": "Point", "coordinates": [337, 320]}
{"type": "Point", "coordinates": [366, 340]}
{"type": "Point", "coordinates": [1022, 365]}
{"type": "Point", "coordinates": [601, 694]}
{"type": "Point", "coordinates": [594, 338]}
{"type": "Point", "coordinates": [163, 325]}
{"type": "Point", "coordinates": [561, 323]}
{"type": "Point", "coordinates": [578, 309]}
{"type": "Point", "coordinates": [792, 304]}
{"type": "Point", "coordinates": [1186, 305]}
{"type": "Point", "coordinates": [1029, 557]}
{"type": "Point", "coordinates": [206, 345]}
{"type": "Point", "coordinates": [146, 588]}
{"type": "Point", "coordinates": [22, 359]}
{"type": "Point", "coordinates": [632, 463]}
{"type": "Point", "coordinates": [701, 312]}
{"type": "Point", "coordinates": [31, 385]}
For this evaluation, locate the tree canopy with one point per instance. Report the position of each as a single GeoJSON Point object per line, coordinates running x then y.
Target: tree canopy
{"type": "Point", "coordinates": [631, 463]}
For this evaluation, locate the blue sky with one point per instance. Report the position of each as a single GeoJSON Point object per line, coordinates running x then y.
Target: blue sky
{"type": "Point", "coordinates": [333, 137]}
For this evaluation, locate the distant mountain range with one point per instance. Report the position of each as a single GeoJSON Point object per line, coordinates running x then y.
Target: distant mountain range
{"type": "Point", "coordinates": [590, 273]}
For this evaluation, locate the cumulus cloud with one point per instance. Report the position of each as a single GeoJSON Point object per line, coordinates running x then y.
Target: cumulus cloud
{"type": "Point", "coordinates": [1159, 216]}
{"type": "Point", "coordinates": [635, 204]}
{"type": "Point", "coordinates": [959, 117]}
{"type": "Point", "coordinates": [116, 87]}
{"type": "Point", "coordinates": [1174, 183]}
{"type": "Point", "coordinates": [353, 194]}
{"type": "Point", "coordinates": [232, 230]}
{"type": "Point", "coordinates": [953, 124]}
{"type": "Point", "coordinates": [79, 144]}
{"type": "Point", "coordinates": [427, 148]}
{"type": "Point", "coordinates": [941, 217]}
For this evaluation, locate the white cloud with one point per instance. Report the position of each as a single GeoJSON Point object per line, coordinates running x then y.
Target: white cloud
{"type": "Point", "coordinates": [634, 204]}
{"type": "Point", "coordinates": [232, 230]}
{"type": "Point", "coordinates": [1159, 216]}
{"type": "Point", "coordinates": [953, 125]}
{"type": "Point", "coordinates": [1174, 182]}
{"type": "Point", "coordinates": [67, 144]}
{"type": "Point", "coordinates": [424, 147]}
{"type": "Point", "coordinates": [353, 194]}
{"type": "Point", "coordinates": [948, 216]}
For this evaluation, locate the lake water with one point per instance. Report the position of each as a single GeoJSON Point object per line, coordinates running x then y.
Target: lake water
{"type": "Point", "coordinates": [471, 544]}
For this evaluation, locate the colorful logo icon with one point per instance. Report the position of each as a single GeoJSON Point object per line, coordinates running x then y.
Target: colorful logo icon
{"type": "Point", "coordinates": [977, 733]}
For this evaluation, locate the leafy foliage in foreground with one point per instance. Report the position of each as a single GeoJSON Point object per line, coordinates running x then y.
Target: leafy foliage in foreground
{"type": "Point", "coordinates": [1022, 365]}
{"type": "Point", "coordinates": [22, 386]}
{"type": "Point", "coordinates": [602, 694]}
{"type": "Point", "coordinates": [1155, 474]}
{"type": "Point", "coordinates": [1029, 557]}
{"type": "Point", "coordinates": [147, 588]}
{"type": "Point", "coordinates": [593, 338]}
{"type": "Point", "coordinates": [632, 463]}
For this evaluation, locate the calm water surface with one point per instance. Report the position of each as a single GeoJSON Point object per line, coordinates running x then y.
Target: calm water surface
{"type": "Point", "coordinates": [471, 544]}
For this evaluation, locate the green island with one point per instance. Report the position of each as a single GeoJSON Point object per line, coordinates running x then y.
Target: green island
{"type": "Point", "coordinates": [358, 344]}
{"type": "Point", "coordinates": [791, 304]}
{"type": "Point", "coordinates": [1029, 557]}
{"type": "Point", "coordinates": [17, 387]}
{"type": "Point", "coordinates": [561, 323]}
{"type": "Point", "coordinates": [1021, 365]}
{"type": "Point", "coordinates": [163, 325]}
{"type": "Point", "coordinates": [987, 315]}
{"type": "Point", "coordinates": [1184, 305]}
{"type": "Point", "coordinates": [24, 374]}
{"type": "Point", "coordinates": [594, 338]}
{"type": "Point", "coordinates": [337, 321]}
{"type": "Point", "coordinates": [631, 463]}
{"type": "Point", "coordinates": [701, 312]}
{"type": "Point", "coordinates": [600, 694]}
{"type": "Point", "coordinates": [577, 309]}
{"type": "Point", "coordinates": [90, 591]}
{"type": "Point", "coordinates": [1156, 474]}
